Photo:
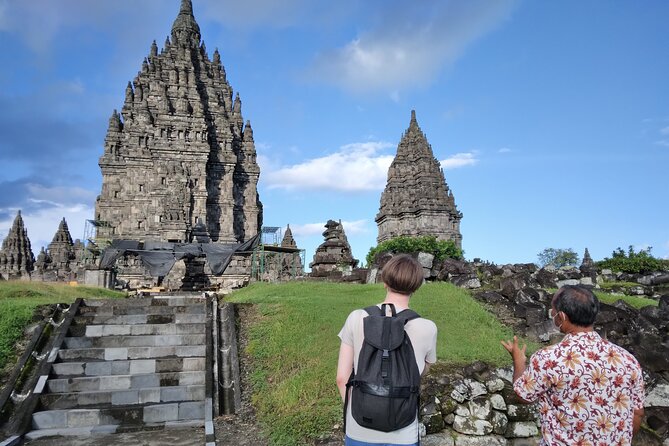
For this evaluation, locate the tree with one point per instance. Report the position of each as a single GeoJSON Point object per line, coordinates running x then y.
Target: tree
{"type": "Point", "coordinates": [558, 257]}
{"type": "Point", "coordinates": [633, 262]}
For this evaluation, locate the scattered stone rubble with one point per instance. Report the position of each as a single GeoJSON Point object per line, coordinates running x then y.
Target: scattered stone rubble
{"type": "Point", "coordinates": [475, 405]}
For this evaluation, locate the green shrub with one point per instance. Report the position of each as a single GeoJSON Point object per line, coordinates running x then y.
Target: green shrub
{"type": "Point", "coordinates": [633, 262]}
{"type": "Point", "coordinates": [441, 249]}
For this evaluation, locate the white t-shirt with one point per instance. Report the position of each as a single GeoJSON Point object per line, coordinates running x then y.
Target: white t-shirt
{"type": "Point", "coordinates": [423, 335]}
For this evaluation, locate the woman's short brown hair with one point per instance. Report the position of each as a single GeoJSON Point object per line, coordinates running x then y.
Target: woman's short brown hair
{"type": "Point", "coordinates": [402, 274]}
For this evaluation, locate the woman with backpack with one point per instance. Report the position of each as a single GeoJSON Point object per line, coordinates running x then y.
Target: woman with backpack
{"type": "Point", "coordinates": [384, 350]}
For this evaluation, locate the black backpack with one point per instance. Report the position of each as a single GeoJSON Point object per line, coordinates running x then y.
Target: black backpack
{"type": "Point", "coordinates": [386, 389]}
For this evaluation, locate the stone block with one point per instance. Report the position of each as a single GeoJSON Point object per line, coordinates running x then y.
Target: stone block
{"type": "Point", "coordinates": [83, 417]}
{"type": "Point", "coordinates": [117, 330]}
{"type": "Point", "coordinates": [471, 426]}
{"type": "Point", "coordinates": [497, 401]}
{"type": "Point", "coordinates": [191, 410]}
{"type": "Point", "coordinates": [490, 440]}
{"type": "Point", "coordinates": [191, 378]}
{"type": "Point", "coordinates": [438, 439]}
{"type": "Point", "coordinates": [120, 367]}
{"type": "Point", "coordinates": [521, 429]}
{"type": "Point", "coordinates": [139, 366]}
{"type": "Point", "coordinates": [98, 368]}
{"type": "Point", "coordinates": [94, 398]}
{"type": "Point", "coordinates": [521, 412]}
{"type": "Point", "coordinates": [68, 368]}
{"type": "Point", "coordinates": [151, 395]}
{"type": "Point", "coordinates": [658, 396]}
{"type": "Point", "coordinates": [50, 419]}
{"type": "Point", "coordinates": [112, 354]}
{"type": "Point", "coordinates": [171, 394]}
{"type": "Point", "coordinates": [193, 364]}
{"type": "Point", "coordinates": [118, 382]}
{"type": "Point", "coordinates": [143, 381]}
{"type": "Point", "coordinates": [499, 422]}
{"type": "Point", "coordinates": [94, 330]}
{"type": "Point", "coordinates": [161, 413]}
{"type": "Point", "coordinates": [125, 397]}
{"type": "Point", "coordinates": [494, 385]}
{"type": "Point", "coordinates": [480, 408]}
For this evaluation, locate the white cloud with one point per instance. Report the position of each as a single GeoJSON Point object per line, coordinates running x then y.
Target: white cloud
{"type": "Point", "coordinates": [409, 46]}
{"type": "Point", "coordinates": [354, 167]}
{"type": "Point", "coordinates": [665, 130]}
{"type": "Point", "coordinates": [459, 160]}
{"type": "Point", "coordinates": [663, 142]}
{"type": "Point", "coordinates": [505, 150]}
{"type": "Point", "coordinates": [311, 229]}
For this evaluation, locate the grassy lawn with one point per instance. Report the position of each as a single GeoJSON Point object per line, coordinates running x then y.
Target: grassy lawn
{"type": "Point", "coordinates": [18, 301]}
{"type": "Point", "coordinates": [294, 346]}
{"type": "Point", "coordinates": [634, 301]}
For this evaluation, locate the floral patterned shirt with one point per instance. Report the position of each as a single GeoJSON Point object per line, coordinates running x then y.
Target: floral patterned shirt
{"type": "Point", "coordinates": [587, 389]}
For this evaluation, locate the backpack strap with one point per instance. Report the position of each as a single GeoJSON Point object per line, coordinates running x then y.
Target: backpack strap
{"type": "Point", "coordinates": [407, 315]}
{"type": "Point", "coordinates": [373, 310]}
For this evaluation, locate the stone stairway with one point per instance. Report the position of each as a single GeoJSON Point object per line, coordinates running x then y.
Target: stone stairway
{"type": "Point", "coordinates": [127, 365]}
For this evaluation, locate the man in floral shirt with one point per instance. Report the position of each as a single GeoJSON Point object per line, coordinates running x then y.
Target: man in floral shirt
{"type": "Point", "coordinates": [590, 391]}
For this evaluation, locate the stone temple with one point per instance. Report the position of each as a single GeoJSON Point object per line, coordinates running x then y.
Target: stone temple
{"type": "Point", "coordinates": [179, 152]}
{"type": "Point", "coordinates": [417, 201]}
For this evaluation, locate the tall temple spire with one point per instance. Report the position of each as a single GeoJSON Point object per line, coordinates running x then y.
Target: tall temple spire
{"type": "Point", "coordinates": [16, 257]}
{"type": "Point", "coordinates": [417, 201]}
{"type": "Point", "coordinates": [185, 29]}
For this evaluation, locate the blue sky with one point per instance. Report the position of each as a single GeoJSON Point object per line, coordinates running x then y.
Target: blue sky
{"type": "Point", "coordinates": [551, 119]}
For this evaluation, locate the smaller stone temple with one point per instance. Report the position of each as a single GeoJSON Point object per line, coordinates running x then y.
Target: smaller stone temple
{"type": "Point", "coordinates": [334, 255]}
{"type": "Point", "coordinates": [417, 201]}
{"type": "Point", "coordinates": [291, 265]}
{"type": "Point", "coordinates": [16, 257]}
{"type": "Point", "coordinates": [61, 261]}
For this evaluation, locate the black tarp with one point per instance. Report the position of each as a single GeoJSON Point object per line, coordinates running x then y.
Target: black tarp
{"type": "Point", "coordinates": [160, 257]}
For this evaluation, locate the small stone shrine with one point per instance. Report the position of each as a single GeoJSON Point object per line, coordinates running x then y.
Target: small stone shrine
{"type": "Point", "coordinates": [291, 265]}
{"type": "Point", "coordinates": [61, 249]}
{"type": "Point", "coordinates": [417, 201]}
{"type": "Point", "coordinates": [16, 257]}
{"type": "Point", "coordinates": [179, 151]}
{"type": "Point", "coordinates": [333, 256]}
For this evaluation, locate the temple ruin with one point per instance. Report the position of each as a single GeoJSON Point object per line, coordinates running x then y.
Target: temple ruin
{"type": "Point", "coordinates": [334, 254]}
{"type": "Point", "coordinates": [16, 257]}
{"type": "Point", "coordinates": [417, 201]}
{"type": "Point", "coordinates": [179, 151]}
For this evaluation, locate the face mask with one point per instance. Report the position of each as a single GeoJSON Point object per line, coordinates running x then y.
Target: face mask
{"type": "Point", "coordinates": [553, 319]}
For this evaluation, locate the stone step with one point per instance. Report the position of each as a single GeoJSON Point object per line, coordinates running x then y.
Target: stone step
{"type": "Point", "coordinates": [133, 341]}
{"type": "Point", "coordinates": [128, 353]}
{"type": "Point", "coordinates": [135, 310]}
{"type": "Point", "coordinates": [135, 319]}
{"type": "Point", "coordinates": [155, 433]}
{"type": "Point", "coordinates": [126, 367]}
{"type": "Point", "coordinates": [94, 331]}
{"type": "Point", "coordinates": [109, 398]}
{"type": "Point", "coordinates": [131, 415]}
{"type": "Point", "coordinates": [145, 302]}
{"type": "Point", "coordinates": [124, 382]}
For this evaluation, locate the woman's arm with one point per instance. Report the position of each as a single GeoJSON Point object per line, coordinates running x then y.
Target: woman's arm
{"type": "Point", "coordinates": [344, 367]}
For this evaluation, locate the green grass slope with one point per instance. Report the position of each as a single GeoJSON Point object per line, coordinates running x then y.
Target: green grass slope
{"type": "Point", "coordinates": [18, 301]}
{"type": "Point", "coordinates": [294, 346]}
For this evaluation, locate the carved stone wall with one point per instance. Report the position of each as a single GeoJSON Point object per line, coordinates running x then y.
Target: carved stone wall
{"type": "Point", "coordinates": [179, 150]}
{"type": "Point", "coordinates": [417, 201]}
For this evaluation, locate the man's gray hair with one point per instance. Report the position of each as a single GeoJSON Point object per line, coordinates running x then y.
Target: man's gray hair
{"type": "Point", "coordinates": [579, 304]}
